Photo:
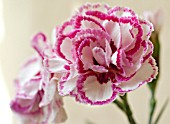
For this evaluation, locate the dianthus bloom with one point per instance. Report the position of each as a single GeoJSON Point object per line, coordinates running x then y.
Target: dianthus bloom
{"type": "Point", "coordinates": [108, 52]}
{"type": "Point", "coordinates": [37, 100]}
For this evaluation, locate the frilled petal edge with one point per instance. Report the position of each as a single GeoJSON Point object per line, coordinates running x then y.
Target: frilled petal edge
{"type": "Point", "coordinates": [146, 73]}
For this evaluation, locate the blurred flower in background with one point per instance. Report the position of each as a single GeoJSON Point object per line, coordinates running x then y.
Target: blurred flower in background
{"type": "Point", "coordinates": [156, 18]}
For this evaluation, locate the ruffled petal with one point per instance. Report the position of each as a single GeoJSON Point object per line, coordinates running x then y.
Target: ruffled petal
{"type": "Point", "coordinates": [95, 7]}
{"type": "Point", "coordinates": [147, 29]}
{"type": "Point", "coordinates": [73, 71]}
{"type": "Point", "coordinates": [113, 29]}
{"type": "Point", "coordinates": [87, 57]}
{"type": "Point", "coordinates": [31, 67]}
{"type": "Point", "coordinates": [146, 73]}
{"type": "Point", "coordinates": [126, 36]}
{"type": "Point", "coordinates": [49, 92]}
{"type": "Point", "coordinates": [39, 43]}
{"type": "Point", "coordinates": [29, 89]}
{"type": "Point", "coordinates": [66, 48]}
{"type": "Point", "coordinates": [53, 112]}
{"type": "Point", "coordinates": [149, 51]}
{"type": "Point", "coordinates": [65, 87]}
{"type": "Point", "coordinates": [55, 65]}
{"type": "Point", "coordinates": [27, 97]}
{"type": "Point", "coordinates": [93, 92]}
{"type": "Point", "coordinates": [66, 28]}
{"type": "Point", "coordinates": [122, 12]}
{"type": "Point", "coordinates": [25, 107]}
{"type": "Point", "coordinates": [68, 83]}
{"type": "Point", "coordinates": [77, 96]}
{"type": "Point", "coordinates": [84, 22]}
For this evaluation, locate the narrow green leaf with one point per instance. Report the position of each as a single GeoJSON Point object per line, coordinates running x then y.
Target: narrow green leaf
{"type": "Point", "coordinates": [161, 112]}
{"type": "Point", "coordinates": [152, 109]}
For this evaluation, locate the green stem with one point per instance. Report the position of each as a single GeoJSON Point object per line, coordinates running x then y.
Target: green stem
{"type": "Point", "coordinates": [120, 105]}
{"type": "Point", "coordinates": [124, 106]}
{"type": "Point", "coordinates": [129, 113]}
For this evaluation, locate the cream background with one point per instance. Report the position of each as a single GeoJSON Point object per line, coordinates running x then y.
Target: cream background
{"type": "Point", "coordinates": [23, 18]}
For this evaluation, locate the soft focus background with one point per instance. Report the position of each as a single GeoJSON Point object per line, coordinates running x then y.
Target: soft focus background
{"type": "Point", "coordinates": [21, 19]}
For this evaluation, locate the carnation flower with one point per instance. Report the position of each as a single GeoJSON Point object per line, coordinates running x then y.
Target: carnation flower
{"type": "Point", "coordinates": [108, 52]}
{"type": "Point", "coordinates": [37, 100]}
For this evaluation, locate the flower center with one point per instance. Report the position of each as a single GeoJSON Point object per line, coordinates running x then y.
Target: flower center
{"type": "Point", "coordinates": [103, 78]}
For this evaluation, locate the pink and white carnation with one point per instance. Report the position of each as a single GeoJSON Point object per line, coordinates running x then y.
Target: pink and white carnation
{"type": "Point", "coordinates": [37, 100]}
{"type": "Point", "coordinates": [108, 52]}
